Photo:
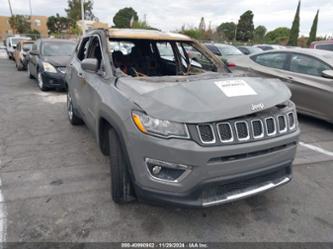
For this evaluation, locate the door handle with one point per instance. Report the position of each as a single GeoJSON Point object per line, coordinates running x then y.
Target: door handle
{"type": "Point", "coordinates": [289, 79]}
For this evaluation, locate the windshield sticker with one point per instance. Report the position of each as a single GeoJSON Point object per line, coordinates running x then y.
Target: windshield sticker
{"type": "Point", "coordinates": [235, 88]}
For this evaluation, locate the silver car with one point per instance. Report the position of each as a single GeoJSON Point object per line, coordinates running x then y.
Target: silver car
{"type": "Point", "coordinates": [307, 72]}
{"type": "Point", "coordinates": [179, 131]}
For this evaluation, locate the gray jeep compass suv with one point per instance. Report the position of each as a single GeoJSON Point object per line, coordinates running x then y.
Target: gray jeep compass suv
{"type": "Point", "coordinates": [178, 126]}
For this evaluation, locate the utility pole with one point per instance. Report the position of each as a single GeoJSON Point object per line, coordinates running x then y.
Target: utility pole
{"type": "Point", "coordinates": [30, 8]}
{"type": "Point", "coordinates": [10, 8]}
{"type": "Point", "coordinates": [82, 18]}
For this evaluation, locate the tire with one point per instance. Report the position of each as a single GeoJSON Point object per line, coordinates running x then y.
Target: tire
{"type": "Point", "coordinates": [73, 118]}
{"type": "Point", "coordinates": [40, 82]}
{"type": "Point", "coordinates": [19, 66]}
{"type": "Point", "coordinates": [121, 186]}
{"type": "Point", "coordinates": [28, 72]}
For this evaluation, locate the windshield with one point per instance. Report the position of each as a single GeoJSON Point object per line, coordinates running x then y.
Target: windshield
{"type": "Point", "coordinates": [142, 58]}
{"type": "Point", "coordinates": [58, 48]}
{"type": "Point", "coordinates": [27, 46]}
{"type": "Point", "coordinates": [15, 41]}
{"type": "Point", "coordinates": [228, 50]}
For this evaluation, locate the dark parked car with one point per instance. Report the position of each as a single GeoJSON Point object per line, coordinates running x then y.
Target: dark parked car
{"type": "Point", "coordinates": [249, 49]}
{"type": "Point", "coordinates": [179, 132]}
{"type": "Point", "coordinates": [48, 60]}
{"type": "Point", "coordinates": [307, 72]}
{"type": "Point", "coordinates": [224, 52]}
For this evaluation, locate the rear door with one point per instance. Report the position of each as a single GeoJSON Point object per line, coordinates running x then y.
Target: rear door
{"type": "Point", "coordinates": [312, 93]}
{"type": "Point", "coordinates": [272, 64]}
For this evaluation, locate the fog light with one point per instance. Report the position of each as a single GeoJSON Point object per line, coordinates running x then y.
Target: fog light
{"type": "Point", "coordinates": [156, 170]}
{"type": "Point", "coordinates": [167, 172]}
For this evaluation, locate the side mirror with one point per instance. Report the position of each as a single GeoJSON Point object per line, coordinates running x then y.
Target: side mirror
{"type": "Point", "coordinates": [34, 52]}
{"type": "Point", "coordinates": [327, 74]}
{"type": "Point", "coordinates": [90, 64]}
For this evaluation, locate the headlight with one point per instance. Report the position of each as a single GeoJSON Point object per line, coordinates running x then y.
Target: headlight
{"type": "Point", "coordinates": [49, 68]}
{"type": "Point", "coordinates": [157, 127]}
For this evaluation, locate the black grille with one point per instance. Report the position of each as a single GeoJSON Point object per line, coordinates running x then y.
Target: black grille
{"type": "Point", "coordinates": [242, 130]}
{"type": "Point", "coordinates": [257, 128]}
{"type": "Point", "coordinates": [225, 132]}
{"type": "Point", "coordinates": [270, 126]}
{"type": "Point", "coordinates": [206, 133]}
{"type": "Point", "coordinates": [291, 120]}
{"type": "Point", "coordinates": [282, 123]}
{"type": "Point", "coordinates": [254, 127]}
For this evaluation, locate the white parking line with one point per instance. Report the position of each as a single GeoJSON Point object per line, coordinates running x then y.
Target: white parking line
{"type": "Point", "coordinates": [3, 218]}
{"type": "Point", "coordinates": [317, 149]}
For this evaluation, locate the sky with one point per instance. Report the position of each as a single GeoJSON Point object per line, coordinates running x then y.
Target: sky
{"type": "Point", "coordinates": [172, 14]}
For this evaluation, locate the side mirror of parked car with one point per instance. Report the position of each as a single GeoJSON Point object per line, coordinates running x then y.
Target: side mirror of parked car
{"type": "Point", "coordinates": [89, 64]}
{"type": "Point", "coordinates": [327, 74]}
{"type": "Point", "coordinates": [34, 52]}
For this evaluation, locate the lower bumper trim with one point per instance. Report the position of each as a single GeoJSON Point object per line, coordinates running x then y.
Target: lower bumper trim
{"type": "Point", "coordinates": [247, 192]}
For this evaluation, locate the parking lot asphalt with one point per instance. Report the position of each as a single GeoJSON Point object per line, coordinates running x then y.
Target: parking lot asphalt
{"type": "Point", "coordinates": [55, 184]}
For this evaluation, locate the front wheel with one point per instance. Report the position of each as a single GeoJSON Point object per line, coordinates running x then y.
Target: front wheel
{"type": "Point", "coordinates": [121, 185]}
{"type": "Point", "coordinates": [41, 84]}
{"type": "Point", "coordinates": [19, 66]}
{"type": "Point", "coordinates": [29, 72]}
{"type": "Point", "coordinates": [72, 117]}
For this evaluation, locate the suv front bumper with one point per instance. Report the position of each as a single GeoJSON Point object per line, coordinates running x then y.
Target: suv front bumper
{"type": "Point", "coordinates": [218, 174]}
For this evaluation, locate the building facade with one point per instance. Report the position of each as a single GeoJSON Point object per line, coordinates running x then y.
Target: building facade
{"type": "Point", "coordinates": [38, 23]}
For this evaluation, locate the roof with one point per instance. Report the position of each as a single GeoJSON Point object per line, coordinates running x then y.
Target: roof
{"type": "Point", "coordinates": [219, 44]}
{"type": "Point", "coordinates": [322, 42]}
{"type": "Point", "coordinates": [146, 35]}
{"type": "Point", "coordinates": [55, 40]}
{"type": "Point", "coordinates": [26, 41]}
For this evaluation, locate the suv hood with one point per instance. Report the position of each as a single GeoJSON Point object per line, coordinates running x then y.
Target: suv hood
{"type": "Point", "coordinates": [204, 100]}
{"type": "Point", "coordinates": [57, 61]}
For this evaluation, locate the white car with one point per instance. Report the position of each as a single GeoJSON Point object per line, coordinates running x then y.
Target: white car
{"type": "Point", "coordinates": [11, 44]}
{"type": "Point", "coordinates": [3, 52]}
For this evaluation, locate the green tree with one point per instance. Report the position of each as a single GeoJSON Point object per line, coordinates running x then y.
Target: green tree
{"type": "Point", "coordinates": [228, 30]}
{"type": "Point", "coordinates": [58, 24]}
{"type": "Point", "coordinates": [124, 17]}
{"type": "Point", "coordinates": [194, 33]}
{"type": "Point", "coordinates": [202, 25]}
{"type": "Point", "coordinates": [313, 32]}
{"type": "Point", "coordinates": [245, 27]}
{"type": "Point", "coordinates": [277, 35]}
{"type": "Point", "coordinates": [34, 34]}
{"type": "Point", "coordinates": [294, 31]}
{"type": "Point", "coordinates": [20, 24]}
{"type": "Point", "coordinates": [259, 34]}
{"type": "Point", "coordinates": [141, 25]}
{"type": "Point", "coordinates": [74, 10]}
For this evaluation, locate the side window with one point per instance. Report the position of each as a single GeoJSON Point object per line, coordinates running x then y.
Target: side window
{"type": "Point", "coordinates": [165, 50]}
{"type": "Point", "coordinates": [307, 65]}
{"type": "Point", "coordinates": [83, 49]}
{"type": "Point", "coordinates": [95, 51]}
{"type": "Point", "coordinates": [325, 47]}
{"type": "Point", "coordinates": [275, 60]}
{"type": "Point", "coordinates": [34, 46]}
{"type": "Point", "coordinates": [18, 47]}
